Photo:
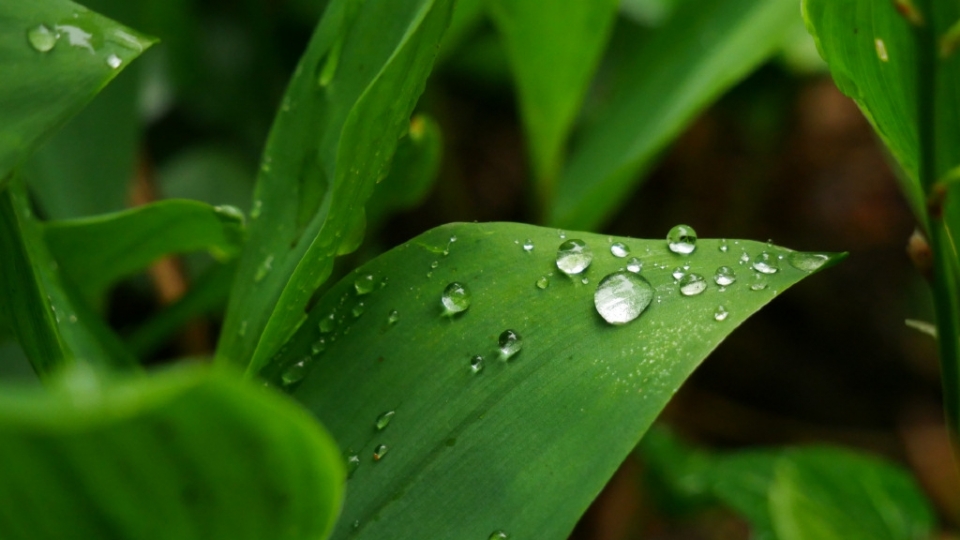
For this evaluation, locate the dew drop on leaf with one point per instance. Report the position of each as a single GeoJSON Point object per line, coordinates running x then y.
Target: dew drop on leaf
{"type": "Point", "coordinates": [364, 284]}
{"type": "Point", "coordinates": [808, 262]}
{"type": "Point", "coordinates": [265, 267]}
{"type": "Point", "coordinates": [692, 284]}
{"type": "Point", "coordinates": [682, 239]}
{"type": "Point", "coordinates": [295, 372]}
{"type": "Point", "coordinates": [455, 298]}
{"type": "Point", "coordinates": [574, 256]}
{"type": "Point", "coordinates": [543, 282]}
{"type": "Point", "coordinates": [619, 250]}
{"type": "Point", "coordinates": [319, 346]}
{"type": "Point", "coordinates": [622, 296]}
{"type": "Point", "coordinates": [678, 273]}
{"type": "Point", "coordinates": [528, 245]}
{"type": "Point", "coordinates": [476, 364]}
{"type": "Point", "coordinates": [510, 344]}
{"type": "Point", "coordinates": [724, 276]}
{"type": "Point", "coordinates": [379, 452]}
{"type": "Point", "coordinates": [393, 317]}
{"type": "Point", "coordinates": [498, 535]}
{"type": "Point", "coordinates": [328, 323]}
{"type": "Point", "coordinates": [765, 263]}
{"type": "Point", "coordinates": [353, 463]}
{"type": "Point", "coordinates": [114, 61]}
{"type": "Point", "coordinates": [358, 310]}
{"type": "Point", "coordinates": [723, 246]}
{"type": "Point", "coordinates": [634, 265]}
{"type": "Point", "coordinates": [384, 420]}
{"type": "Point", "coordinates": [720, 314]}
{"type": "Point", "coordinates": [41, 38]}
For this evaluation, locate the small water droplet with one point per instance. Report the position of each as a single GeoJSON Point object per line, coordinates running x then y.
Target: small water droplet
{"type": "Point", "coordinates": [561, 234]}
{"type": "Point", "coordinates": [510, 344]}
{"type": "Point", "coordinates": [634, 265]}
{"type": "Point", "coordinates": [41, 38]}
{"type": "Point", "coordinates": [758, 286]}
{"type": "Point", "coordinates": [881, 50]}
{"type": "Point", "coordinates": [364, 284]}
{"type": "Point", "coordinates": [682, 239]}
{"type": "Point", "coordinates": [720, 314]}
{"type": "Point", "coordinates": [808, 262]}
{"type": "Point", "coordinates": [265, 267]}
{"type": "Point", "coordinates": [353, 463]}
{"type": "Point", "coordinates": [744, 258]}
{"type": "Point", "coordinates": [584, 281]}
{"type": "Point", "coordinates": [455, 298]}
{"type": "Point", "coordinates": [257, 207]}
{"type": "Point", "coordinates": [328, 323]}
{"type": "Point", "coordinates": [393, 317]}
{"type": "Point", "coordinates": [453, 239]}
{"type": "Point", "coordinates": [379, 452]}
{"type": "Point", "coordinates": [724, 276]}
{"type": "Point", "coordinates": [319, 346]}
{"type": "Point", "coordinates": [619, 249]}
{"type": "Point", "coordinates": [574, 256]}
{"type": "Point", "coordinates": [476, 364]}
{"type": "Point", "coordinates": [434, 264]}
{"type": "Point", "coordinates": [692, 284]}
{"type": "Point", "coordinates": [294, 372]}
{"type": "Point", "coordinates": [384, 420]}
{"type": "Point", "coordinates": [528, 245]}
{"type": "Point", "coordinates": [723, 246]}
{"type": "Point", "coordinates": [543, 282]}
{"type": "Point", "coordinates": [622, 296]}
{"type": "Point", "coordinates": [766, 263]}
{"type": "Point", "coordinates": [358, 310]}
{"type": "Point", "coordinates": [498, 535]}
{"type": "Point", "coordinates": [678, 273]}
{"type": "Point", "coordinates": [114, 61]}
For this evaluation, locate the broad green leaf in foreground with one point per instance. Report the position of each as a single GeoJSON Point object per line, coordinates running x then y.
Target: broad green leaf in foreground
{"type": "Point", "coordinates": [348, 103]}
{"type": "Point", "coordinates": [97, 251]}
{"type": "Point", "coordinates": [524, 444]}
{"type": "Point", "coordinates": [52, 322]}
{"type": "Point", "coordinates": [669, 77]}
{"type": "Point", "coordinates": [870, 50]}
{"type": "Point", "coordinates": [56, 56]}
{"type": "Point", "coordinates": [801, 493]}
{"type": "Point", "coordinates": [554, 50]}
{"type": "Point", "coordinates": [187, 453]}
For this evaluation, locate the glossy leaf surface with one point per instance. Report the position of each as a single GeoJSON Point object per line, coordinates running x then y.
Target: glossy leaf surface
{"type": "Point", "coordinates": [668, 77]}
{"type": "Point", "coordinates": [348, 103]}
{"type": "Point", "coordinates": [523, 445]}
{"type": "Point", "coordinates": [57, 56]}
{"type": "Point", "coordinates": [185, 453]}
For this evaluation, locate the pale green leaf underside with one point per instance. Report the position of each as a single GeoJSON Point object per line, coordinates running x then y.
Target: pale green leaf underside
{"type": "Point", "coordinates": [39, 91]}
{"type": "Point", "coordinates": [524, 445]}
{"type": "Point", "coordinates": [185, 453]}
{"type": "Point", "coordinates": [704, 49]}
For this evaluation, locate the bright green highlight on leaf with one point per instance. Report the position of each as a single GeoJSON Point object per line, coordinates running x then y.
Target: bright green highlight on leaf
{"type": "Point", "coordinates": [185, 453]}
{"type": "Point", "coordinates": [661, 82]}
{"type": "Point", "coordinates": [97, 251]}
{"type": "Point", "coordinates": [504, 425]}
{"type": "Point", "coordinates": [56, 56]}
{"type": "Point", "coordinates": [331, 142]}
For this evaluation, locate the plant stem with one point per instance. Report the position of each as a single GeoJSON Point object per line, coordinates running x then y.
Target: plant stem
{"type": "Point", "coordinates": [944, 284]}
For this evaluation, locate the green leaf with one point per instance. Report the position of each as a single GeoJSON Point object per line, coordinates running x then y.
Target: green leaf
{"type": "Point", "coordinates": [348, 103]}
{"type": "Point", "coordinates": [871, 53]}
{"type": "Point", "coordinates": [185, 453]}
{"type": "Point", "coordinates": [803, 493]}
{"type": "Point", "coordinates": [51, 321]}
{"type": "Point", "coordinates": [662, 82]}
{"type": "Point", "coordinates": [41, 90]}
{"type": "Point", "coordinates": [554, 50]}
{"type": "Point", "coordinates": [526, 444]}
{"type": "Point", "coordinates": [413, 172]}
{"type": "Point", "coordinates": [98, 251]}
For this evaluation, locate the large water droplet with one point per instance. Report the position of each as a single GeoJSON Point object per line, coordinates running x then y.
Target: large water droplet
{"type": "Point", "coordinates": [765, 263]}
{"type": "Point", "coordinates": [294, 372]}
{"type": "Point", "coordinates": [543, 282]}
{"type": "Point", "coordinates": [692, 284]}
{"type": "Point", "coordinates": [634, 265]}
{"type": "Point", "coordinates": [619, 249]}
{"type": "Point", "coordinates": [41, 38]}
{"type": "Point", "coordinates": [724, 276]}
{"type": "Point", "coordinates": [510, 344]}
{"type": "Point", "coordinates": [393, 317]}
{"type": "Point", "coordinates": [574, 256]}
{"type": "Point", "coordinates": [114, 61]}
{"type": "Point", "coordinates": [622, 296]}
{"type": "Point", "coordinates": [384, 420]}
{"type": "Point", "coordinates": [455, 298]}
{"type": "Point", "coordinates": [476, 364]}
{"type": "Point", "coordinates": [498, 535]}
{"type": "Point", "coordinates": [528, 245]}
{"type": "Point", "coordinates": [720, 314]}
{"type": "Point", "coordinates": [808, 262]}
{"type": "Point", "coordinates": [379, 452]}
{"type": "Point", "coordinates": [682, 239]}
{"type": "Point", "coordinates": [265, 267]}
{"type": "Point", "coordinates": [364, 284]}
{"type": "Point", "coordinates": [353, 463]}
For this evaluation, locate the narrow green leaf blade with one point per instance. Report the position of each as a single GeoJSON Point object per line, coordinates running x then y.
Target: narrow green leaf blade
{"type": "Point", "coordinates": [554, 50]}
{"type": "Point", "coordinates": [348, 103]}
{"type": "Point", "coordinates": [186, 453]}
{"type": "Point", "coordinates": [98, 251]}
{"type": "Point", "coordinates": [524, 445]}
{"type": "Point", "coordinates": [52, 322]}
{"type": "Point", "coordinates": [57, 56]}
{"type": "Point", "coordinates": [704, 49]}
